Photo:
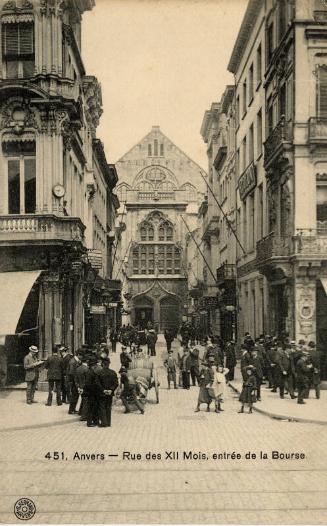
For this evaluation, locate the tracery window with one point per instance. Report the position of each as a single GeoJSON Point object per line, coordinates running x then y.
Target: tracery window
{"type": "Point", "coordinates": [122, 192]}
{"type": "Point", "coordinates": [190, 191]}
{"type": "Point", "coordinates": [146, 232]}
{"type": "Point", "coordinates": [168, 259]}
{"type": "Point", "coordinates": [165, 232]}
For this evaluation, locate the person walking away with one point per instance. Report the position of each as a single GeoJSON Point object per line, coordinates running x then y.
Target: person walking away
{"type": "Point", "coordinates": [171, 366]}
{"type": "Point", "coordinates": [113, 339]}
{"type": "Point", "coordinates": [54, 366]}
{"type": "Point", "coordinates": [92, 391]}
{"type": "Point", "coordinates": [249, 388]}
{"type": "Point", "coordinates": [151, 341]}
{"type": "Point", "coordinates": [315, 359]}
{"type": "Point", "coordinates": [245, 360]}
{"type": "Point", "coordinates": [108, 382]}
{"type": "Point", "coordinates": [32, 367]}
{"type": "Point", "coordinates": [230, 360]}
{"type": "Point", "coordinates": [185, 368]}
{"type": "Point", "coordinates": [81, 373]}
{"type": "Point", "coordinates": [206, 378]}
{"type": "Point", "coordinates": [66, 357]}
{"type": "Point", "coordinates": [272, 371]}
{"type": "Point", "coordinates": [303, 369]}
{"type": "Point", "coordinates": [285, 371]}
{"type": "Point", "coordinates": [129, 394]}
{"type": "Point", "coordinates": [194, 365]}
{"type": "Point", "coordinates": [257, 361]}
{"type": "Point", "coordinates": [219, 386]}
{"type": "Point", "coordinates": [71, 374]}
{"type": "Point", "coordinates": [169, 337]}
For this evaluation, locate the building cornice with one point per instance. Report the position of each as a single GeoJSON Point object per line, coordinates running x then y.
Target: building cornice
{"type": "Point", "coordinates": [251, 14]}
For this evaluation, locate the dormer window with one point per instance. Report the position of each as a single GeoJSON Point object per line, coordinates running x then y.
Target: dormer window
{"type": "Point", "coordinates": [18, 49]}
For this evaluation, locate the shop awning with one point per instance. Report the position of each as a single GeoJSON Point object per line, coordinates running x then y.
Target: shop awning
{"type": "Point", "coordinates": [324, 283]}
{"type": "Point", "coordinates": [14, 289]}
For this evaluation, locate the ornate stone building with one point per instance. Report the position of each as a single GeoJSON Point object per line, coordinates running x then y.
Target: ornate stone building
{"type": "Point", "coordinates": [159, 190]}
{"type": "Point", "coordinates": [56, 187]}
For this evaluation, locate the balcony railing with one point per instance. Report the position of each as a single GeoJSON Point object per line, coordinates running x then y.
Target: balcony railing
{"type": "Point", "coordinates": [280, 134]}
{"type": "Point", "coordinates": [273, 246]}
{"type": "Point", "coordinates": [226, 272]}
{"type": "Point", "coordinates": [40, 228]}
{"type": "Point", "coordinates": [317, 132]}
{"type": "Point", "coordinates": [156, 196]}
{"type": "Point", "coordinates": [311, 242]}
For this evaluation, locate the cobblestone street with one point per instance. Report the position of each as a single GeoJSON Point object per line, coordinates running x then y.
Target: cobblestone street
{"type": "Point", "coordinates": [166, 490]}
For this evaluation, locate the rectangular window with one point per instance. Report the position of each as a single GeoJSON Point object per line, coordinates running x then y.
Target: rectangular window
{"type": "Point", "coordinates": [244, 158]}
{"type": "Point", "coordinates": [259, 133]}
{"type": "Point", "coordinates": [259, 65]}
{"type": "Point", "coordinates": [282, 18]}
{"type": "Point", "coordinates": [149, 150]}
{"type": "Point", "coordinates": [322, 92]}
{"type": "Point", "coordinates": [251, 144]}
{"type": "Point", "coordinates": [251, 87]}
{"type": "Point", "coordinates": [30, 185]}
{"type": "Point", "coordinates": [322, 206]}
{"type": "Point", "coordinates": [14, 186]}
{"type": "Point", "coordinates": [161, 150]}
{"type": "Point", "coordinates": [270, 118]}
{"type": "Point", "coordinates": [260, 213]}
{"type": "Point", "coordinates": [251, 223]}
{"type": "Point", "coordinates": [282, 101]}
{"type": "Point", "coordinates": [237, 111]}
{"type": "Point", "coordinates": [244, 97]}
{"type": "Point", "coordinates": [18, 49]}
{"type": "Point", "coordinates": [155, 148]}
{"type": "Point", "coordinates": [270, 41]}
{"type": "Point", "coordinates": [245, 226]}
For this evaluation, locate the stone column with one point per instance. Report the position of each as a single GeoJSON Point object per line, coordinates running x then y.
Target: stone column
{"type": "Point", "coordinates": [305, 312]}
{"type": "Point", "coordinates": [48, 316]}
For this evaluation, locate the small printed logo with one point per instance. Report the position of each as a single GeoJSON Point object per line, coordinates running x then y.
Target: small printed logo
{"type": "Point", "coordinates": [24, 509]}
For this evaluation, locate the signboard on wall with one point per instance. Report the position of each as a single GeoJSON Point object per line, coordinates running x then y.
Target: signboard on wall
{"type": "Point", "coordinates": [248, 181]}
{"type": "Point", "coordinates": [97, 309]}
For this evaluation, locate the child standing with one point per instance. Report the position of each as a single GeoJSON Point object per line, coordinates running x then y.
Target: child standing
{"type": "Point", "coordinates": [249, 389]}
{"type": "Point", "coordinates": [171, 365]}
{"type": "Point", "coordinates": [219, 385]}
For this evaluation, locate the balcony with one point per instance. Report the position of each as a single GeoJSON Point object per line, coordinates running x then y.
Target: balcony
{"type": "Point", "coordinates": [272, 248]}
{"type": "Point", "coordinates": [225, 273]}
{"type": "Point", "coordinates": [276, 141]}
{"type": "Point", "coordinates": [39, 229]}
{"type": "Point", "coordinates": [210, 227]}
{"type": "Point", "coordinates": [156, 196]}
{"type": "Point", "coordinates": [311, 242]}
{"type": "Point", "coordinates": [317, 131]}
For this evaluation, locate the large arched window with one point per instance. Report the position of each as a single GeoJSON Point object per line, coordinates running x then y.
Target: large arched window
{"type": "Point", "coordinates": [165, 232]}
{"type": "Point", "coordinates": [146, 232]}
{"type": "Point", "coordinates": [161, 259]}
{"type": "Point", "coordinates": [190, 192]}
{"type": "Point", "coordinates": [122, 190]}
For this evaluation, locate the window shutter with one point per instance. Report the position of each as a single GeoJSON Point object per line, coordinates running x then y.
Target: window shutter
{"type": "Point", "coordinates": [10, 45]}
{"type": "Point", "coordinates": [322, 94]}
{"type": "Point", "coordinates": [26, 39]}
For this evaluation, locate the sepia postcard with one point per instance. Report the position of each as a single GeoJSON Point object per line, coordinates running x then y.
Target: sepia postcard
{"type": "Point", "coordinates": [163, 262]}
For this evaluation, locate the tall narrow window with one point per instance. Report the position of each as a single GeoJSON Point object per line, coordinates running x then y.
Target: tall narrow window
{"type": "Point", "coordinates": [155, 147]}
{"type": "Point", "coordinates": [322, 206]}
{"type": "Point", "coordinates": [259, 133]}
{"type": "Point", "coordinates": [14, 186]}
{"type": "Point", "coordinates": [21, 173]}
{"type": "Point", "coordinates": [282, 100]}
{"type": "Point", "coordinates": [251, 223]}
{"type": "Point", "coordinates": [260, 213]}
{"type": "Point", "coordinates": [270, 41]}
{"type": "Point", "coordinates": [259, 65]}
{"type": "Point", "coordinates": [161, 150]}
{"type": "Point", "coordinates": [270, 118]}
{"type": "Point", "coordinates": [322, 92]}
{"type": "Point", "coordinates": [149, 150]}
{"type": "Point", "coordinates": [237, 111]}
{"type": "Point", "coordinates": [244, 158]}
{"type": "Point", "coordinates": [244, 97]}
{"type": "Point", "coordinates": [251, 144]}
{"type": "Point", "coordinates": [18, 49]}
{"type": "Point", "coordinates": [251, 87]}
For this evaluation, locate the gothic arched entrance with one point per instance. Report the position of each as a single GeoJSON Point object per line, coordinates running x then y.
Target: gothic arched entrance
{"type": "Point", "coordinates": [170, 313]}
{"type": "Point", "coordinates": [143, 311]}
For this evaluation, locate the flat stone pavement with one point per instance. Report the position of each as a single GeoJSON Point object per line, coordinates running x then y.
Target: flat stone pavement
{"type": "Point", "coordinates": [123, 489]}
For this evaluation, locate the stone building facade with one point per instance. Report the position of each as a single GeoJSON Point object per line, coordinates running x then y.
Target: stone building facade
{"type": "Point", "coordinates": [159, 189]}
{"type": "Point", "coordinates": [56, 186]}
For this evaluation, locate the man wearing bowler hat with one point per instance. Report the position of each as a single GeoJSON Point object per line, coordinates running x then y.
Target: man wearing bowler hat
{"type": "Point", "coordinates": [31, 366]}
{"type": "Point", "coordinates": [108, 382]}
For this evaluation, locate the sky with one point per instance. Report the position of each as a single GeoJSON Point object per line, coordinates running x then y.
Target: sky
{"type": "Point", "coordinates": [159, 62]}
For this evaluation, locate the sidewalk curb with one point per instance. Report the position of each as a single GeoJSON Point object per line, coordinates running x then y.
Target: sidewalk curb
{"type": "Point", "coordinates": [277, 416]}
{"type": "Point", "coordinates": [38, 426]}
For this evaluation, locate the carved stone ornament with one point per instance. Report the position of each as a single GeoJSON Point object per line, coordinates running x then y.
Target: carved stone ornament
{"type": "Point", "coordinates": [17, 115]}
{"type": "Point", "coordinates": [11, 5]}
{"type": "Point", "coordinates": [306, 302]}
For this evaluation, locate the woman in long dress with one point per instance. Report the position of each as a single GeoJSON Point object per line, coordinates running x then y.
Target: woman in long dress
{"type": "Point", "coordinates": [219, 386]}
{"type": "Point", "coordinates": [206, 378]}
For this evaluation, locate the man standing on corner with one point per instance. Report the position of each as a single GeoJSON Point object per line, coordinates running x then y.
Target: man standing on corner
{"type": "Point", "coordinates": [54, 366]}
{"type": "Point", "coordinates": [31, 366]}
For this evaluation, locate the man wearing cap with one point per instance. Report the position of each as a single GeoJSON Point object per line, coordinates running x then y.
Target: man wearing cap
{"type": "Point", "coordinates": [71, 374]}
{"type": "Point", "coordinates": [31, 366]}
{"type": "Point", "coordinates": [107, 380]}
{"type": "Point", "coordinates": [54, 366]}
{"type": "Point", "coordinates": [125, 358]}
{"type": "Point", "coordinates": [171, 366]}
{"type": "Point", "coordinates": [92, 391]}
{"type": "Point", "coordinates": [66, 357]}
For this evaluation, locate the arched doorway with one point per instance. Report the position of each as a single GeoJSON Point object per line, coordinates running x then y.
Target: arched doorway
{"type": "Point", "coordinates": [143, 311]}
{"type": "Point", "coordinates": [169, 313]}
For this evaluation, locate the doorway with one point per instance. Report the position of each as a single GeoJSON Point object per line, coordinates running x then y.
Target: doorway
{"type": "Point", "coordinates": [143, 312]}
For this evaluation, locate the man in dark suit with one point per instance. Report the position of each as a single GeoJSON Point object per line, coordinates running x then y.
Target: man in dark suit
{"type": "Point", "coordinates": [303, 370]}
{"type": "Point", "coordinates": [108, 382]}
{"type": "Point", "coordinates": [80, 379]}
{"type": "Point", "coordinates": [66, 357]}
{"type": "Point", "coordinates": [92, 391]}
{"type": "Point", "coordinates": [31, 366]}
{"type": "Point", "coordinates": [54, 366]}
{"type": "Point", "coordinates": [71, 375]}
